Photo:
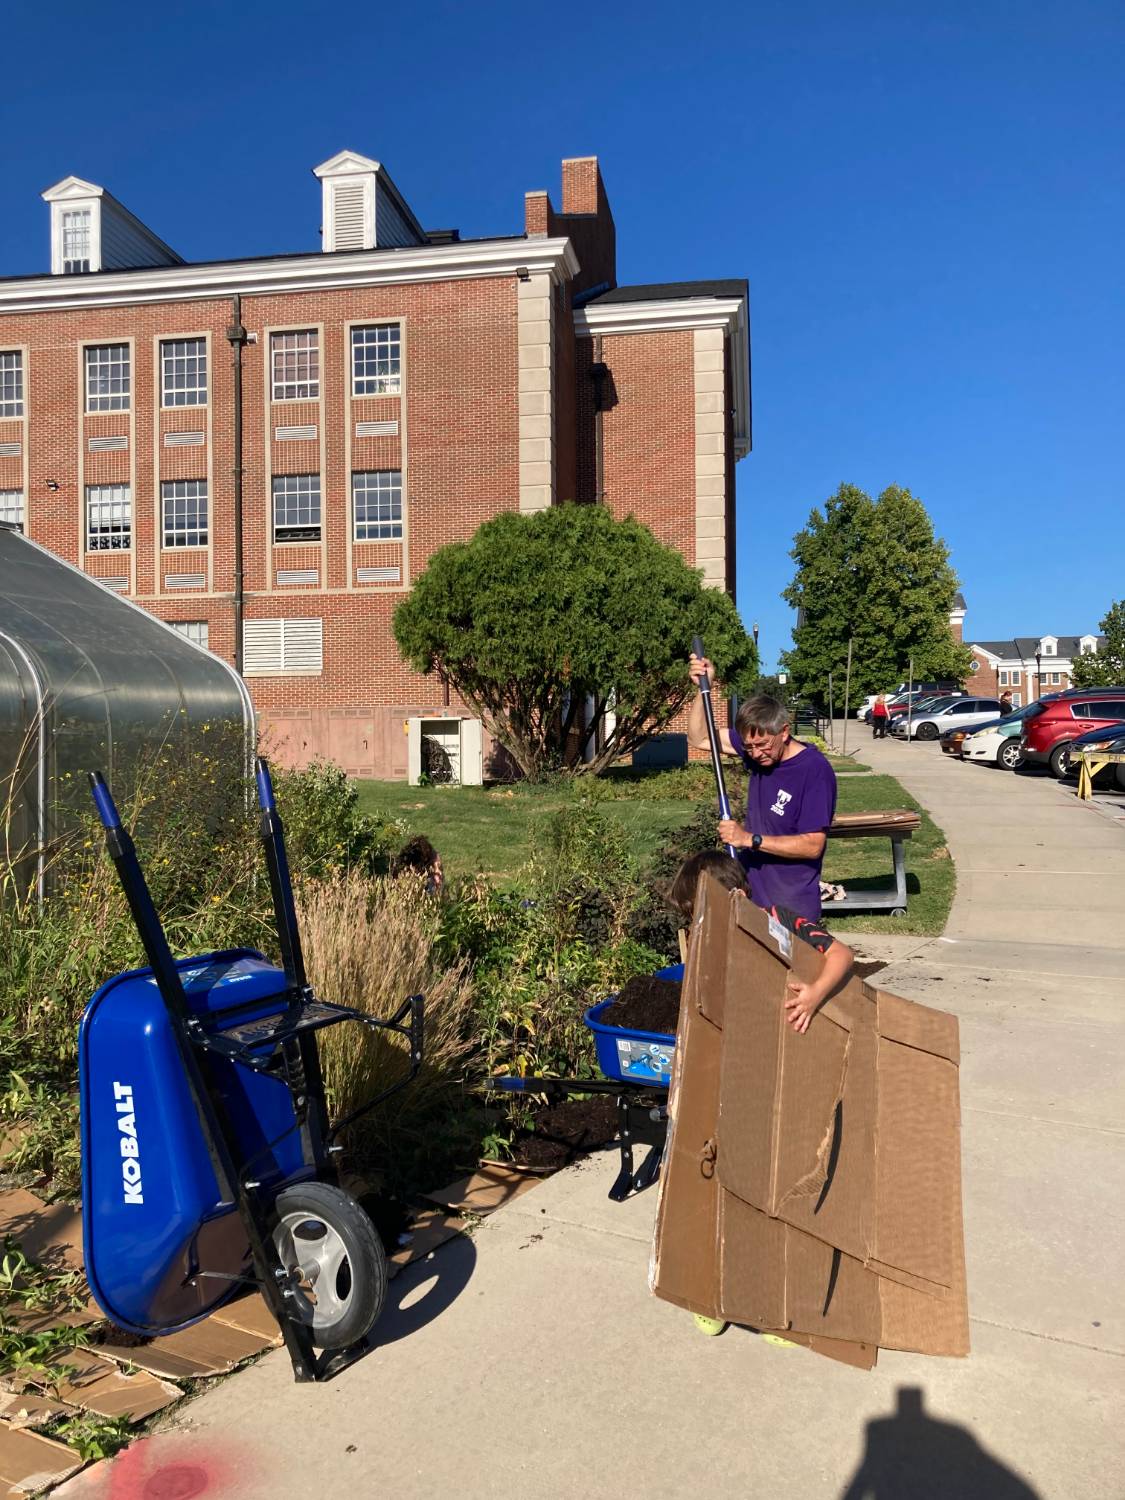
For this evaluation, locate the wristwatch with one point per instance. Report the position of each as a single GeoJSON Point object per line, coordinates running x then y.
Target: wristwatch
{"type": "Point", "coordinates": [756, 842]}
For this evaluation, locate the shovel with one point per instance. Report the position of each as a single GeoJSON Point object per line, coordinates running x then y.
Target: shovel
{"type": "Point", "coordinates": [713, 738]}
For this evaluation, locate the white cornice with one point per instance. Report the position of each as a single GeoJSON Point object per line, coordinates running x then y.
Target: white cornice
{"type": "Point", "coordinates": [313, 272]}
{"type": "Point", "coordinates": [344, 163]}
{"type": "Point", "coordinates": [69, 188]}
{"type": "Point", "coordinates": [681, 315]}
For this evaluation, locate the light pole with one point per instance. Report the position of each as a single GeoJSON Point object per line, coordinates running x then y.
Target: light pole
{"type": "Point", "coordinates": [1038, 676]}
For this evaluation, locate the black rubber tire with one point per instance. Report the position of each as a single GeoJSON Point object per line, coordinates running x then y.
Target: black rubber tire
{"type": "Point", "coordinates": [1009, 756]}
{"type": "Point", "coordinates": [926, 732]}
{"type": "Point", "coordinates": [365, 1264]}
{"type": "Point", "coordinates": [1060, 761]}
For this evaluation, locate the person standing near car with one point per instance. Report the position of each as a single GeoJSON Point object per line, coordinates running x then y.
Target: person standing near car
{"type": "Point", "coordinates": [1005, 704]}
{"type": "Point", "coordinates": [790, 804]}
{"type": "Point", "coordinates": [879, 716]}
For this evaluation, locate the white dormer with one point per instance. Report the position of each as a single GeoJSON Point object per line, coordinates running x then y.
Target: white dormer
{"type": "Point", "coordinates": [1087, 645]}
{"type": "Point", "coordinates": [91, 231]}
{"type": "Point", "coordinates": [361, 207]}
{"type": "Point", "coordinates": [1049, 645]}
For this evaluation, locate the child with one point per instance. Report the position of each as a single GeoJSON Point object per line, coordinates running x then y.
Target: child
{"type": "Point", "coordinates": [803, 999]}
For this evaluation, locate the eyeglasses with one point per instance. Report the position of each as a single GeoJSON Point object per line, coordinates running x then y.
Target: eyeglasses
{"type": "Point", "coordinates": [762, 742]}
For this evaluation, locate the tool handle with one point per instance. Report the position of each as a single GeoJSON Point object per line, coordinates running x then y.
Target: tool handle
{"type": "Point", "coordinates": [103, 801]}
{"type": "Point", "coordinates": [713, 740]}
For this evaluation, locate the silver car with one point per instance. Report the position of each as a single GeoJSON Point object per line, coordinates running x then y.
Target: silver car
{"type": "Point", "coordinates": [958, 713]}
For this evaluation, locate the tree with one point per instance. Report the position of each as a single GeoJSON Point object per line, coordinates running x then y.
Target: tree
{"type": "Point", "coordinates": [1105, 667]}
{"type": "Point", "coordinates": [544, 623]}
{"type": "Point", "coordinates": [875, 572]}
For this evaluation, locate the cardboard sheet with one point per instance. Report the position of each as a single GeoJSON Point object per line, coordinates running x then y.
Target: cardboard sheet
{"type": "Point", "coordinates": [812, 1182]}
{"type": "Point", "coordinates": [428, 1230]}
{"type": "Point", "coordinates": [29, 1462]}
{"type": "Point", "coordinates": [99, 1385]}
{"type": "Point", "coordinates": [207, 1348]}
{"type": "Point", "coordinates": [487, 1189]}
{"type": "Point", "coordinates": [50, 1233]}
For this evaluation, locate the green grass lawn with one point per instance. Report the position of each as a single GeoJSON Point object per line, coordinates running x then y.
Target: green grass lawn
{"type": "Point", "coordinates": [493, 830]}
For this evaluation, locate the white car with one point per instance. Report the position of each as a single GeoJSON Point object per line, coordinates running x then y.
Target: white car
{"type": "Point", "coordinates": [995, 747]}
{"type": "Point", "coordinates": [961, 713]}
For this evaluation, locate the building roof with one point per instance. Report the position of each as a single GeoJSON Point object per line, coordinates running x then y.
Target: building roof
{"type": "Point", "coordinates": [671, 291]}
{"type": "Point", "coordinates": [1024, 647]}
{"type": "Point", "coordinates": [959, 601]}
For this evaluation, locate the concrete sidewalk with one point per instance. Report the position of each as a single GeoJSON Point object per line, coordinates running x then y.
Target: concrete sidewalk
{"type": "Point", "coordinates": [532, 1360]}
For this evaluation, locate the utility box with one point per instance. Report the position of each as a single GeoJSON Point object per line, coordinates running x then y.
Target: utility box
{"type": "Point", "coordinates": [445, 751]}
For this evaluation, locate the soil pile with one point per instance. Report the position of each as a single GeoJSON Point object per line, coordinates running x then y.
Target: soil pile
{"type": "Point", "coordinates": [565, 1131]}
{"type": "Point", "coordinates": [646, 1004]}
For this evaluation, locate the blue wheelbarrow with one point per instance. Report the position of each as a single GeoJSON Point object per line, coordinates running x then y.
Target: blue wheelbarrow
{"type": "Point", "coordinates": [637, 1069]}
{"type": "Point", "coordinates": [208, 1158]}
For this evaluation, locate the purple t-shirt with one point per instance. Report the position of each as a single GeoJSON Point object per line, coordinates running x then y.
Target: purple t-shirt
{"type": "Point", "coordinates": [797, 795]}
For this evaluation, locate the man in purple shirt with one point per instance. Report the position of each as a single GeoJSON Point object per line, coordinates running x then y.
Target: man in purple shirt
{"type": "Point", "coordinates": [791, 802]}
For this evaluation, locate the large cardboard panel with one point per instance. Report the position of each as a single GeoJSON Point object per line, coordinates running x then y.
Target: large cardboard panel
{"type": "Point", "coordinates": [851, 1131]}
{"type": "Point", "coordinates": [487, 1189]}
{"type": "Point", "coordinates": [99, 1386]}
{"type": "Point", "coordinates": [684, 1267]}
{"type": "Point", "coordinates": [708, 951]}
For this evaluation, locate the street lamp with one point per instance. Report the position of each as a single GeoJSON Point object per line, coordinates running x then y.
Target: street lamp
{"type": "Point", "coordinates": [1038, 676]}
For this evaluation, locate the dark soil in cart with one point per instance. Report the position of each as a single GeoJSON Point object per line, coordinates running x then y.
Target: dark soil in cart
{"type": "Point", "coordinates": [645, 1004]}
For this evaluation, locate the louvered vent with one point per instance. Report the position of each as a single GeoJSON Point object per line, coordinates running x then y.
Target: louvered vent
{"type": "Point", "coordinates": [294, 434]}
{"type": "Point", "coordinates": [107, 444]}
{"type": "Point", "coordinates": [183, 440]}
{"type": "Point", "coordinates": [349, 218]}
{"type": "Point", "coordinates": [296, 575]}
{"type": "Point", "coordinates": [376, 429]}
{"type": "Point", "coordinates": [378, 575]}
{"type": "Point", "coordinates": [117, 585]}
{"type": "Point", "coordinates": [184, 580]}
{"type": "Point", "coordinates": [9, 450]}
{"type": "Point", "coordinates": [290, 646]}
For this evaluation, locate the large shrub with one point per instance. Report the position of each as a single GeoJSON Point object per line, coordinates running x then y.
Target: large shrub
{"type": "Point", "coordinates": [544, 623]}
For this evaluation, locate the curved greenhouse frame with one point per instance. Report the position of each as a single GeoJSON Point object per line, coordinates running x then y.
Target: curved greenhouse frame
{"type": "Point", "coordinates": [90, 681]}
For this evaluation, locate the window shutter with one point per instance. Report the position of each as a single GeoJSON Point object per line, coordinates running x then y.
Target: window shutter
{"type": "Point", "coordinates": [261, 645]}
{"type": "Point", "coordinates": [348, 228]}
{"type": "Point", "coordinates": [303, 645]}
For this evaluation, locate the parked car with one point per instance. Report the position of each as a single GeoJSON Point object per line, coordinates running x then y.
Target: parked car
{"type": "Point", "coordinates": [953, 741]}
{"type": "Point", "coordinates": [1055, 723]}
{"type": "Point", "coordinates": [921, 707]}
{"type": "Point", "coordinates": [901, 701]}
{"type": "Point", "coordinates": [995, 744]}
{"type": "Point", "coordinates": [1112, 740]}
{"type": "Point", "coordinates": [952, 713]}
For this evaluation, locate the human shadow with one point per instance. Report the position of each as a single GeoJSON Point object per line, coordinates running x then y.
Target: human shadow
{"type": "Point", "coordinates": [913, 1456]}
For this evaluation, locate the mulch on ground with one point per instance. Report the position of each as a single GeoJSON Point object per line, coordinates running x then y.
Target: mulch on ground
{"type": "Point", "coordinates": [563, 1132]}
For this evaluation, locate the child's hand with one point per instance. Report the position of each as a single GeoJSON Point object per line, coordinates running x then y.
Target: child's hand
{"type": "Point", "coordinates": [802, 1001]}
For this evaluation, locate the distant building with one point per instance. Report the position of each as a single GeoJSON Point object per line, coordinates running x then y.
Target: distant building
{"type": "Point", "coordinates": [1011, 666]}
{"type": "Point", "coordinates": [397, 389]}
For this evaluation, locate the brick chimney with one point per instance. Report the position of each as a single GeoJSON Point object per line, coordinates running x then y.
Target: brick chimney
{"type": "Point", "coordinates": [586, 220]}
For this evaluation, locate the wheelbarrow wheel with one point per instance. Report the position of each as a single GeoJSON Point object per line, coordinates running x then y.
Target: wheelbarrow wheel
{"type": "Point", "coordinates": [322, 1234]}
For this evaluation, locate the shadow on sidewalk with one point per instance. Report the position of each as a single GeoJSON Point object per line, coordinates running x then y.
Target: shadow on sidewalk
{"type": "Point", "coordinates": [912, 1456]}
{"type": "Point", "coordinates": [425, 1289]}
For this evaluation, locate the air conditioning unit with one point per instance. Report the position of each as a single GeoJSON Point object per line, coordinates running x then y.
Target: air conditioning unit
{"type": "Point", "coordinates": [445, 751]}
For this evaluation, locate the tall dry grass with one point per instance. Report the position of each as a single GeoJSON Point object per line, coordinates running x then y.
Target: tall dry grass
{"type": "Point", "coordinates": [370, 943]}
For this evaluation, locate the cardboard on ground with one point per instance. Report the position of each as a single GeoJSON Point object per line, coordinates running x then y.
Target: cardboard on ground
{"type": "Point", "coordinates": [812, 1183]}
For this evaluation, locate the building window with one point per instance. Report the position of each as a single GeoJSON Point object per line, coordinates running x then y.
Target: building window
{"type": "Point", "coordinates": [376, 360]}
{"type": "Point", "coordinates": [377, 505]}
{"type": "Point", "coordinates": [193, 630]}
{"type": "Point", "coordinates": [282, 647]}
{"type": "Point", "coordinates": [296, 366]}
{"type": "Point", "coordinates": [1048, 648]}
{"type": "Point", "coordinates": [296, 508]}
{"type": "Point", "coordinates": [11, 383]}
{"type": "Point", "coordinates": [1053, 678]}
{"type": "Point", "coordinates": [107, 377]}
{"type": "Point", "coordinates": [75, 240]}
{"type": "Point", "coordinates": [183, 372]}
{"type": "Point", "coordinates": [1017, 700]}
{"type": "Point", "coordinates": [184, 503]}
{"type": "Point", "coordinates": [1008, 677]}
{"type": "Point", "coordinates": [109, 517]}
{"type": "Point", "coordinates": [11, 507]}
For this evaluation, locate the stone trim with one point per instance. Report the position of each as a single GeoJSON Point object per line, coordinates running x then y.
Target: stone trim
{"type": "Point", "coordinates": [710, 456]}
{"type": "Point", "coordinates": [535, 313]}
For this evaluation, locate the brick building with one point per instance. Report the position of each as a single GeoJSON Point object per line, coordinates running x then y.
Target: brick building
{"type": "Point", "coordinates": [1028, 667]}
{"type": "Point", "coordinates": [265, 452]}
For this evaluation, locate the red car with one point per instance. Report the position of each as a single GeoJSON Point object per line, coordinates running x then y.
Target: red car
{"type": "Point", "coordinates": [1053, 724]}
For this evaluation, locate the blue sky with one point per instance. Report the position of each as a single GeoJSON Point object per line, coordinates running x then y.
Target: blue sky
{"type": "Point", "coordinates": [927, 200]}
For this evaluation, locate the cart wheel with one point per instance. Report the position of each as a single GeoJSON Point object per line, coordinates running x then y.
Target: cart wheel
{"type": "Point", "coordinates": [324, 1234]}
{"type": "Point", "coordinates": [899, 911]}
{"type": "Point", "coordinates": [712, 1327]}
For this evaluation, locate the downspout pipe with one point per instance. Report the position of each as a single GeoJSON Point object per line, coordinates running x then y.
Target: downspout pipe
{"type": "Point", "coordinates": [236, 336]}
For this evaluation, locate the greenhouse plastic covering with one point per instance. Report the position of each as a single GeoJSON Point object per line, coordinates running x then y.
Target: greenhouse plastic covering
{"type": "Point", "coordinates": [90, 681]}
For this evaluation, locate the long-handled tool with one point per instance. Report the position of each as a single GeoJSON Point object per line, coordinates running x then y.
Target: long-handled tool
{"type": "Point", "coordinates": [713, 737]}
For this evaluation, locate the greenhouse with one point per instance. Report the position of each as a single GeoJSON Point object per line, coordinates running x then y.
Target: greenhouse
{"type": "Point", "coordinates": [90, 681]}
